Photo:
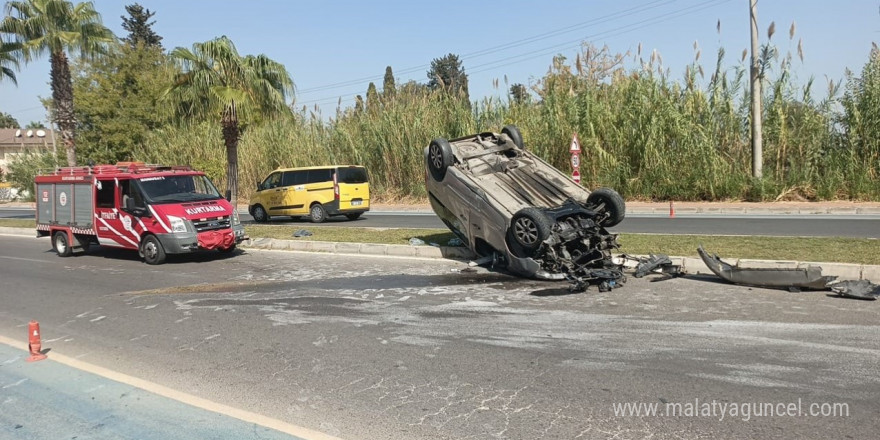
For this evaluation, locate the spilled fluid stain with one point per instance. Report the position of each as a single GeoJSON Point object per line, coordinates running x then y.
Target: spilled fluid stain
{"type": "Point", "coordinates": [492, 280]}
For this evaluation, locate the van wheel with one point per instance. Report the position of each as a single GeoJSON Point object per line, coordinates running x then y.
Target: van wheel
{"type": "Point", "coordinates": [529, 228]}
{"type": "Point", "coordinates": [614, 205]}
{"type": "Point", "coordinates": [317, 213]}
{"type": "Point", "coordinates": [61, 244]}
{"type": "Point", "coordinates": [353, 216]}
{"type": "Point", "coordinates": [439, 158]}
{"type": "Point", "coordinates": [260, 215]}
{"type": "Point", "coordinates": [513, 133]}
{"type": "Point", "coordinates": [152, 250]}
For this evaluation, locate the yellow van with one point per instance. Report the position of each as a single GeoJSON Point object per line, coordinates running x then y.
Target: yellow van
{"type": "Point", "coordinates": [318, 192]}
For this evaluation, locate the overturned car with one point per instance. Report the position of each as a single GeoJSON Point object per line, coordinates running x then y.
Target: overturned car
{"type": "Point", "coordinates": [518, 212]}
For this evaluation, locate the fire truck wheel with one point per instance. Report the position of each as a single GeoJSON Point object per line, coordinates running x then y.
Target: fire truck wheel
{"type": "Point", "coordinates": [61, 244]}
{"type": "Point", "coordinates": [153, 251]}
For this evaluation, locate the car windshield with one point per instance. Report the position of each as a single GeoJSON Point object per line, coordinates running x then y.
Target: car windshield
{"type": "Point", "coordinates": [178, 188]}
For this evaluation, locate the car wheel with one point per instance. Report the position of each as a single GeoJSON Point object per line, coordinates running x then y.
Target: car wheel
{"type": "Point", "coordinates": [439, 158]}
{"type": "Point", "coordinates": [613, 205]}
{"type": "Point", "coordinates": [353, 216]}
{"type": "Point", "coordinates": [260, 215]}
{"type": "Point", "coordinates": [227, 250]}
{"type": "Point", "coordinates": [61, 244]}
{"type": "Point", "coordinates": [317, 213]}
{"type": "Point", "coordinates": [529, 228]}
{"type": "Point", "coordinates": [513, 133]}
{"type": "Point", "coordinates": [152, 250]}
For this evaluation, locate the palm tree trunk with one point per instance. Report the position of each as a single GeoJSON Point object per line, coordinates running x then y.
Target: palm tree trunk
{"type": "Point", "coordinates": [62, 97]}
{"type": "Point", "coordinates": [230, 136]}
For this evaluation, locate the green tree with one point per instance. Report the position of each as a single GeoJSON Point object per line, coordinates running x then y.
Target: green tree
{"type": "Point", "coordinates": [35, 125]}
{"type": "Point", "coordinates": [372, 98]}
{"type": "Point", "coordinates": [140, 29]}
{"type": "Point", "coordinates": [7, 121]}
{"type": "Point", "coordinates": [8, 61]}
{"type": "Point", "coordinates": [117, 101]}
{"type": "Point", "coordinates": [388, 86]}
{"type": "Point", "coordinates": [216, 81]}
{"type": "Point", "coordinates": [447, 73]}
{"type": "Point", "coordinates": [519, 94]}
{"type": "Point", "coordinates": [57, 27]}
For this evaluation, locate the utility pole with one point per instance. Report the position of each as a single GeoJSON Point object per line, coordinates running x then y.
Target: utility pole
{"type": "Point", "coordinates": [757, 141]}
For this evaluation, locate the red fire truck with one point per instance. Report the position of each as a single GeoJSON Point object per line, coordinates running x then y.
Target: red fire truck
{"type": "Point", "coordinates": [156, 210]}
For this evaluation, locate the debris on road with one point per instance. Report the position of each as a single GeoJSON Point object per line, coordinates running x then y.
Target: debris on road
{"type": "Point", "coordinates": [793, 279]}
{"type": "Point", "coordinates": [861, 289]}
{"type": "Point", "coordinates": [416, 242]}
{"type": "Point", "coordinates": [659, 263]}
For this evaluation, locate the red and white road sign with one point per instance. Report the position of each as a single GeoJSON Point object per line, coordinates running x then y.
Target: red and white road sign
{"type": "Point", "coordinates": [575, 145]}
{"type": "Point", "coordinates": [576, 176]}
{"type": "Point", "coordinates": [575, 161]}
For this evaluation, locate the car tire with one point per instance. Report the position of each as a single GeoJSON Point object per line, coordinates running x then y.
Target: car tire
{"type": "Point", "coordinates": [513, 133]}
{"type": "Point", "coordinates": [529, 228]}
{"type": "Point", "coordinates": [228, 250]}
{"type": "Point", "coordinates": [353, 216]}
{"type": "Point", "coordinates": [317, 213]}
{"type": "Point", "coordinates": [152, 250]}
{"type": "Point", "coordinates": [260, 214]}
{"type": "Point", "coordinates": [613, 205]}
{"type": "Point", "coordinates": [439, 158]}
{"type": "Point", "coordinates": [61, 244]}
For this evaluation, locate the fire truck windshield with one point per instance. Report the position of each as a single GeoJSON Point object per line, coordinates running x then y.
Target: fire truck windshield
{"type": "Point", "coordinates": [178, 188]}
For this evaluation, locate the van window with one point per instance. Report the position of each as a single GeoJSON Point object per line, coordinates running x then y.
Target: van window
{"type": "Point", "coordinates": [351, 175]}
{"type": "Point", "coordinates": [317, 176]}
{"type": "Point", "coordinates": [273, 181]}
{"type": "Point", "coordinates": [292, 178]}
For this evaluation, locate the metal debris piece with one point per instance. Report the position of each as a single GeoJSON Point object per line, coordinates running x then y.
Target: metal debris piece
{"type": "Point", "coordinates": [606, 279]}
{"type": "Point", "coordinates": [416, 242]}
{"type": "Point", "coordinates": [861, 289]}
{"type": "Point", "coordinates": [809, 277]}
{"type": "Point", "coordinates": [302, 233]}
{"type": "Point", "coordinates": [659, 263]}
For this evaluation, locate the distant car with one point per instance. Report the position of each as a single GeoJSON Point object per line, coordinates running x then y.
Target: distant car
{"type": "Point", "coordinates": [513, 208]}
{"type": "Point", "coordinates": [317, 192]}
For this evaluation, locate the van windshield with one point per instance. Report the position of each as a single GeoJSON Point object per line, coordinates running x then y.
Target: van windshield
{"type": "Point", "coordinates": [351, 175]}
{"type": "Point", "coordinates": [177, 188]}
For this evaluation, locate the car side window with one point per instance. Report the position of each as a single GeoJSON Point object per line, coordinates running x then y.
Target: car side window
{"type": "Point", "coordinates": [273, 181]}
{"type": "Point", "coordinates": [299, 177]}
{"type": "Point", "coordinates": [317, 176]}
{"type": "Point", "coordinates": [288, 178]}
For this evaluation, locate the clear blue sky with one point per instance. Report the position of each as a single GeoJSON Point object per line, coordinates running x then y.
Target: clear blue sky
{"type": "Point", "coordinates": [334, 49]}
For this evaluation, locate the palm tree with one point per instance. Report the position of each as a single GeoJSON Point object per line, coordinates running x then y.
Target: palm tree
{"type": "Point", "coordinates": [216, 81]}
{"type": "Point", "coordinates": [8, 61]}
{"type": "Point", "coordinates": [57, 27]}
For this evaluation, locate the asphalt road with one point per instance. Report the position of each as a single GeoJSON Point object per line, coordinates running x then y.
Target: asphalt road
{"type": "Point", "coordinates": [382, 348]}
{"type": "Point", "coordinates": [858, 226]}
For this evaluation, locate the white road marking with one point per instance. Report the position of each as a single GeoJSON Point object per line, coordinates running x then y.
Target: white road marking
{"type": "Point", "coordinates": [198, 402]}
{"type": "Point", "coordinates": [24, 259]}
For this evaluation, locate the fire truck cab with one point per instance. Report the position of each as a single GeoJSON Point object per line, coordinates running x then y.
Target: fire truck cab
{"type": "Point", "coordinates": [156, 210]}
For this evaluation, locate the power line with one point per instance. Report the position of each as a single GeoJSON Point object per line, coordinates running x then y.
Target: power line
{"type": "Point", "coordinates": [613, 16]}
{"type": "Point", "coordinates": [555, 48]}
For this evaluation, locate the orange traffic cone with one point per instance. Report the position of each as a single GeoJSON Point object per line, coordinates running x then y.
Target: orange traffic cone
{"type": "Point", "coordinates": [671, 210]}
{"type": "Point", "coordinates": [34, 344]}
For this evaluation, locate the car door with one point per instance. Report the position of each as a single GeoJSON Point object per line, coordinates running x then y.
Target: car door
{"type": "Point", "coordinates": [293, 200]}
{"type": "Point", "coordinates": [271, 194]}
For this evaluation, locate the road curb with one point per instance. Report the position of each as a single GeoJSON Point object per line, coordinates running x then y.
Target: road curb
{"type": "Point", "coordinates": [844, 271]}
